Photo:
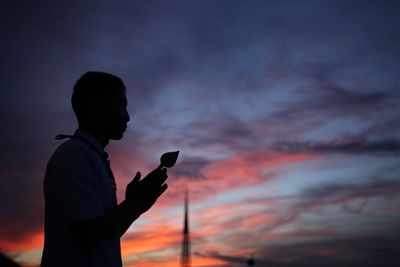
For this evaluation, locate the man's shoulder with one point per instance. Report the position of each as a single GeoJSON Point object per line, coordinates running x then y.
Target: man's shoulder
{"type": "Point", "coordinates": [73, 149]}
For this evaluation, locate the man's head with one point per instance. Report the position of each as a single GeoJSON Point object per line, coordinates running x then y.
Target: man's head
{"type": "Point", "coordinates": [99, 103]}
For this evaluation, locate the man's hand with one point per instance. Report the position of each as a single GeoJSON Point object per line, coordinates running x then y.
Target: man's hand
{"type": "Point", "coordinates": [142, 194]}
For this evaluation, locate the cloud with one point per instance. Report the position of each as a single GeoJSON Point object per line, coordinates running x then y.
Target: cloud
{"type": "Point", "coordinates": [390, 147]}
{"type": "Point", "coordinates": [22, 202]}
{"type": "Point", "coordinates": [339, 192]}
{"type": "Point", "coordinates": [327, 99]}
{"type": "Point", "coordinates": [191, 167]}
{"type": "Point", "coordinates": [315, 199]}
{"type": "Point", "coordinates": [220, 131]}
{"type": "Point", "coordinates": [239, 171]}
{"type": "Point", "coordinates": [228, 259]}
{"type": "Point", "coordinates": [150, 239]}
{"type": "Point", "coordinates": [356, 251]}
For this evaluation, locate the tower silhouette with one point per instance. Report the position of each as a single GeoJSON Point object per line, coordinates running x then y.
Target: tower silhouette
{"type": "Point", "coordinates": [185, 257]}
{"type": "Point", "coordinates": [250, 262]}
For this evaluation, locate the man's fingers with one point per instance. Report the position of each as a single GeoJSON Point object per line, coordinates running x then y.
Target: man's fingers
{"type": "Point", "coordinates": [162, 189]}
{"type": "Point", "coordinates": [137, 177]}
{"type": "Point", "coordinates": [163, 178]}
{"type": "Point", "coordinates": [160, 176]}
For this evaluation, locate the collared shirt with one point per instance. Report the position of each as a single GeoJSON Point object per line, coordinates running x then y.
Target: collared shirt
{"type": "Point", "coordinates": [78, 186]}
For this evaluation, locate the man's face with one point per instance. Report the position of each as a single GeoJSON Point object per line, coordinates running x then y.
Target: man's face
{"type": "Point", "coordinates": [117, 117]}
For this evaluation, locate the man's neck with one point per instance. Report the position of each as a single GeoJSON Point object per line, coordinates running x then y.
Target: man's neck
{"type": "Point", "coordinates": [98, 135]}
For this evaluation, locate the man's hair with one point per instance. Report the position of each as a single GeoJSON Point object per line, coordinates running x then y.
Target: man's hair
{"type": "Point", "coordinates": [92, 90]}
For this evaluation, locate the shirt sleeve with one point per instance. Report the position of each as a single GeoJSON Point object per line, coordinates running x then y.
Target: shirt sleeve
{"type": "Point", "coordinates": [73, 185]}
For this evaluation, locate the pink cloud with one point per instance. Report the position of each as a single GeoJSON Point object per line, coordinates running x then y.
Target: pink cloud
{"type": "Point", "coordinates": [232, 173]}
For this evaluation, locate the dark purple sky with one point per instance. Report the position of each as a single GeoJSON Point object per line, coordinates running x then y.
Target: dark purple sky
{"type": "Point", "coordinates": [286, 113]}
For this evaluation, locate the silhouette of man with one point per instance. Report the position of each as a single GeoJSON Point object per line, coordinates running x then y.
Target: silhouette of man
{"type": "Point", "coordinates": [83, 222]}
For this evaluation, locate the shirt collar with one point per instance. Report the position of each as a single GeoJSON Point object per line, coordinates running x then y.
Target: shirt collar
{"type": "Point", "coordinates": [88, 137]}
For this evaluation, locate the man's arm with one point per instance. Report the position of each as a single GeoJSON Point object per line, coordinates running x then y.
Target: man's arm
{"type": "Point", "coordinates": [127, 221]}
{"type": "Point", "coordinates": [94, 230]}
{"type": "Point", "coordinates": [140, 196]}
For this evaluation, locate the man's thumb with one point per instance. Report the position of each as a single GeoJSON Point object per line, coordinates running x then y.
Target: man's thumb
{"type": "Point", "coordinates": [137, 177]}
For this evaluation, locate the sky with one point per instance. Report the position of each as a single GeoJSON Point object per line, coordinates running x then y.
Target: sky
{"type": "Point", "coordinates": [286, 115]}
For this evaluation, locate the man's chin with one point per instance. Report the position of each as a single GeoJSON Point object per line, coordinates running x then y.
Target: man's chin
{"type": "Point", "coordinates": [118, 136]}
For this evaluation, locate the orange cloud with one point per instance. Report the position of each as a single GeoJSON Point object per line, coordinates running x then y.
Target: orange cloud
{"type": "Point", "coordinates": [153, 238]}
{"type": "Point", "coordinates": [173, 261]}
{"type": "Point", "coordinates": [29, 242]}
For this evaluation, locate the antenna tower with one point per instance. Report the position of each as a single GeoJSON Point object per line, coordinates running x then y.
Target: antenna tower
{"type": "Point", "coordinates": [185, 257]}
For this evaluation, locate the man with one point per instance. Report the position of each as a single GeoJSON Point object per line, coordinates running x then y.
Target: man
{"type": "Point", "coordinates": [83, 222]}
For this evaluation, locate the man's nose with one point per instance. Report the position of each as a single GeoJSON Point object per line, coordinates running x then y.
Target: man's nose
{"type": "Point", "coordinates": [127, 117]}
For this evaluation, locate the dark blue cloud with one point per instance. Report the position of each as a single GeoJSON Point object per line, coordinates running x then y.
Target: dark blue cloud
{"type": "Point", "coordinates": [383, 147]}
